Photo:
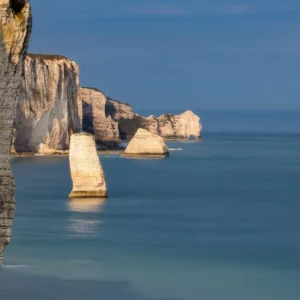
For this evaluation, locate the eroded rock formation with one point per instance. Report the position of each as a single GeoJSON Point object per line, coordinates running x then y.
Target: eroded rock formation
{"type": "Point", "coordinates": [168, 126]}
{"type": "Point", "coordinates": [49, 109]}
{"type": "Point", "coordinates": [86, 170]}
{"type": "Point", "coordinates": [118, 110]}
{"type": "Point", "coordinates": [146, 144]}
{"type": "Point", "coordinates": [95, 120]}
{"type": "Point", "coordinates": [15, 29]}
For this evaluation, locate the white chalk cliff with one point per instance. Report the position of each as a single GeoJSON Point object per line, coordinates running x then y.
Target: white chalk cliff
{"type": "Point", "coordinates": [15, 30]}
{"type": "Point", "coordinates": [182, 127]}
{"type": "Point", "coordinates": [49, 109]}
{"type": "Point", "coordinates": [146, 144]}
{"type": "Point", "coordinates": [86, 170]}
{"type": "Point", "coordinates": [95, 120]}
{"type": "Point", "coordinates": [118, 110]}
{"type": "Point", "coordinates": [168, 126]}
{"type": "Point", "coordinates": [52, 107]}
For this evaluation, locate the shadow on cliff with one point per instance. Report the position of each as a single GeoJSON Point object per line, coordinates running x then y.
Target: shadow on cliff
{"type": "Point", "coordinates": [110, 109]}
{"type": "Point", "coordinates": [129, 127]}
{"type": "Point", "coordinates": [15, 286]}
{"type": "Point", "coordinates": [87, 118]}
{"type": "Point", "coordinates": [88, 126]}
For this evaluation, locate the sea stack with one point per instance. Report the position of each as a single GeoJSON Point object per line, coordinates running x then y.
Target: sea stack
{"type": "Point", "coordinates": [86, 170]}
{"type": "Point", "coordinates": [146, 144]}
{"type": "Point", "coordinates": [15, 30]}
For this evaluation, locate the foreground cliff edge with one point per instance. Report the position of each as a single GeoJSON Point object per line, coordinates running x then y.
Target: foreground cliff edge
{"type": "Point", "coordinates": [146, 145]}
{"type": "Point", "coordinates": [86, 170]}
{"type": "Point", "coordinates": [15, 30]}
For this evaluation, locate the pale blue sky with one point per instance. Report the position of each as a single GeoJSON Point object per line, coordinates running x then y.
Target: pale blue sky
{"type": "Point", "coordinates": [179, 53]}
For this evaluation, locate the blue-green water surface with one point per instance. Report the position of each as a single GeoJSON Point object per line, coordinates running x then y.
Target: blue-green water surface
{"type": "Point", "coordinates": [218, 220]}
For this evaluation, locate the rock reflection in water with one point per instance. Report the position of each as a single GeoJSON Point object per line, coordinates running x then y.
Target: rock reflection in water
{"type": "Point", "coordinates": [85, 221]}
{"type": "Point", "coordinates": [86, 205]}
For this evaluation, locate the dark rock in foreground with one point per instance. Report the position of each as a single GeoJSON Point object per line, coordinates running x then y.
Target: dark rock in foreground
{"type": "Point", "coordinates": [15, 30]}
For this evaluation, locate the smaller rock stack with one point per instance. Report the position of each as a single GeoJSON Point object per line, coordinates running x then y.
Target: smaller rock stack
{"type": "Point", "coordinates": [86, 170]}
{"type": "Point", "coordinates": [146, 144]}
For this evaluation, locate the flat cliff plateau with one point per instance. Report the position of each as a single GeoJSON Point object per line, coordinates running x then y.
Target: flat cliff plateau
{"type": "Point", "coordinates": [49, 108]}
{"type": "Point", "coordinates": [15, 31]}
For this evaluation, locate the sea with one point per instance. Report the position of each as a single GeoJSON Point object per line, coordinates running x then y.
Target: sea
{"type": "Point", "coordinates": [217, 220]}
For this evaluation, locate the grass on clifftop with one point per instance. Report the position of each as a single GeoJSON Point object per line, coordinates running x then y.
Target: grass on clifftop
{"type": "Point", "coordinates": [46, 56]}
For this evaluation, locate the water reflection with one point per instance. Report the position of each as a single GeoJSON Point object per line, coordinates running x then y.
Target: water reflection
{"type": "Point", "coordinates": [86, 205]}
{"type": "Point", "coordinates": [85, 219]}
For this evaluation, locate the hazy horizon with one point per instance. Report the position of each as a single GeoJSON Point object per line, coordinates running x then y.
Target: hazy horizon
{"type": "Point", "coordinates": [205, 54]}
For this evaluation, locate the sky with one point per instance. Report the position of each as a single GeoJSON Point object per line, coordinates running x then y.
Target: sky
{"type": "Point", "coordinates": [179, 54]}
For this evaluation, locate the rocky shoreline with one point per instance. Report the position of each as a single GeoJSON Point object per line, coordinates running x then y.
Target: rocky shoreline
{"type": "Point", "coordinates": [63, 154]}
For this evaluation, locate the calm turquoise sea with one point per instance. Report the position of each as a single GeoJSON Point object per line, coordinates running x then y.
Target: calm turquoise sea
{"type": "Point", "coordinates": [218, 220]}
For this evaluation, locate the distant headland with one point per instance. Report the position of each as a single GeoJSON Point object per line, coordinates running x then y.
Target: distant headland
{"type": "Point", "coordinates": [52, 106]}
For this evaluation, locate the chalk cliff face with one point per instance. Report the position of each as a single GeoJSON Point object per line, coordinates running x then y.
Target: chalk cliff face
{"type": "Point", "coordinates": [15, 29]}
{"type": "Point", "coordinates": [146, 144]}
{"type": "Point", "coordinates": [168, 126]}
{"type": "Point", "coordinates": [86, 170]}
{"type": "Point", "coordinates": [118, 110]}
{"type": "Point", "coordinates": [182, 127]}
{"type": "Point", "coordinates": [95, 120]}
{"type": "Point", "coordinates": [49, 109]}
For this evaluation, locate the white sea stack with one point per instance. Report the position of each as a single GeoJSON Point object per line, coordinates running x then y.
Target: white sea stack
{"type": "Point", "coordinates": [86, 170]}
{"type": "Point", "coordinates": [15, 30]}
{"type": "Point", "coordinates": [146, 144]}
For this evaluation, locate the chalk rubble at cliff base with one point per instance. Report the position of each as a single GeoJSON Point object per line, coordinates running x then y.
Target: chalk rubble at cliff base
{"type": "Point", "coordinates": [86, 170]}
{"type": "Point", "coordinates": [146, 144]}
